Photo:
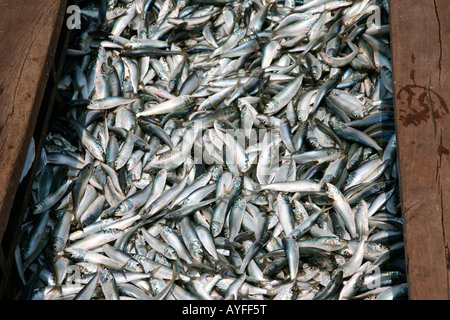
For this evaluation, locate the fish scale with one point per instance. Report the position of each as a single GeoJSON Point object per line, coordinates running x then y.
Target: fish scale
{"type": "Point", "coordinates": [293, 109]}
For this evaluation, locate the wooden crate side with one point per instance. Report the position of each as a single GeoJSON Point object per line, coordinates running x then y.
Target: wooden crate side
{"type": "Point", "coordinates": [420, 34]}
{"type": "Point", "coordinates": [29, 32]}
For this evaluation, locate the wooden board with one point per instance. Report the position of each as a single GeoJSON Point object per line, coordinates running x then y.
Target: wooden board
{"type": "Point", "coordinates": [29, 34]}
{"type": "Point", "coordinates": [420, 34]}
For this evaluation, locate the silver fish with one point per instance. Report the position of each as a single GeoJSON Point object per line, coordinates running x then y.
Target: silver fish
{"type": "Point", "coordinates": [218, 150]}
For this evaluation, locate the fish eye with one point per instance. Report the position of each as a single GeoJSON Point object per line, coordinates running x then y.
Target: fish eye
{"type": "Point", "coordinates": [346, 252]}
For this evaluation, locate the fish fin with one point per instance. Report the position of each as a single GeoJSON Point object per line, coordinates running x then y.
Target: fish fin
{"type": "Point", "coordinates": [167, 289]}
{"type": "Point", "coordinates": [100, 34]}
{"type": "Point", "coordinates": [80, 226]}
{"type": "Point", "coordinates": [325, 210]}
{"type": "Point", "coordinates": [258, 38]}
{"type": "Point", "coordinates": [380, 152]}
{"type": "Point", "coordinates": [368, 232]}
{"type": "Point", "coordinates": [123, 271]}
{"type": "Point", "coordinates": [55, 289]}
{"type": "Point", "coordinates": [153, 272]}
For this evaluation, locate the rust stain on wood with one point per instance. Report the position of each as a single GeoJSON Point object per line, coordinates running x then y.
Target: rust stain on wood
{"type": "Point", "coordinates": [447, 256]}
{"type": "Point", "coordinates": [442, 150]}
{"type": "Point", "coordinates": [419, 105]}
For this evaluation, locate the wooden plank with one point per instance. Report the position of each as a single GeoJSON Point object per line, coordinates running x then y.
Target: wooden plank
{"type": "Point", "coordinates": [420, 34]}
{"type": "Point", "coordinates": [29, 32]}
{"type": "Point", "coordinates": [12, 232]}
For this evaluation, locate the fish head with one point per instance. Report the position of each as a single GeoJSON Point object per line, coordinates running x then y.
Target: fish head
{"type": "Point", "coordinates": [271, 106]}
{"type": "Point", "coordinates": [314, 142]}
{"type": "Point", "coordinates": [119, 163]}
{"type": "Point", "coordinates": [38, 207]}
{"type": "Point", "coordinates": [358, 113]}
{"type": "Point", "coordinates": [316, 72]}
{"type": "Point", "coordinates": [97, 151]}
{"type": "Point", "coordinates": [362, 205]}
{"type": "Point", "coordinates": [170, 253]}
{"type": "Point", "coordinates": [302, 115]}
{"type": "Point", "coordinates": [216, 172]}
{"type": "Point", "coordinates": [87, 170]}
{"type": "Point", "coordinates": [196, 250]}
{"type": "Point", "coordinates": [75, 254]}
{"type": "Point", "coordinates": [331, 191]}
{"type": "Point", "coordinates": [104, 274]}
{"type": "Point", "coordinates": [134, 265]}
{"type": "Point", "coordinates": [263, 119]}
{"type": "Point", "coordinates": [171, 85]}
{"type": "Point", "coordinates": [377, 247]}
{"type": "Point", "coordinates": [325, 57]}
{"type": "Point", "coordinates": [336, 124]}
{"type": "Point", "coordinates": [333, 152]}
{"type": "Point", "coordinates": [260, 199]}
{"type": "Point", "coordinates": [216, 227]}
{"type": "Point", "coordinates": [346, 252]}
{"type": "Point", "coordinates": [244, 166]}
{"type": "Point", "coordinates": [360, 279]}
{"type": "Point", "coordinates": [123, 207]}
{"type": "Point", "coordinates": [57, 245]}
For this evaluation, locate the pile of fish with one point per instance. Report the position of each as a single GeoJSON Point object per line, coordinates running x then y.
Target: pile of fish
{"type": "Point", "coordinates": [215, 149]}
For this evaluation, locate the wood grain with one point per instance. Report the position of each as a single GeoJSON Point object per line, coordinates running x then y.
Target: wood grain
{"type": "Point", "coordinates": [420, 35]}
{"type": "Point", "coordinates": [29, 33]}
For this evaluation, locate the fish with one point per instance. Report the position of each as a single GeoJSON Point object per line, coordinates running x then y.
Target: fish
{"type": "Point", "coordinates": [219, 150]}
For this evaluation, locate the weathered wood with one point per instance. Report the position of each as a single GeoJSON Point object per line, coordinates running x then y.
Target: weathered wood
{"type": "Point", "coordinates": [420, 33]}
{"type": "Point", "coordinates": [29, 35]}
